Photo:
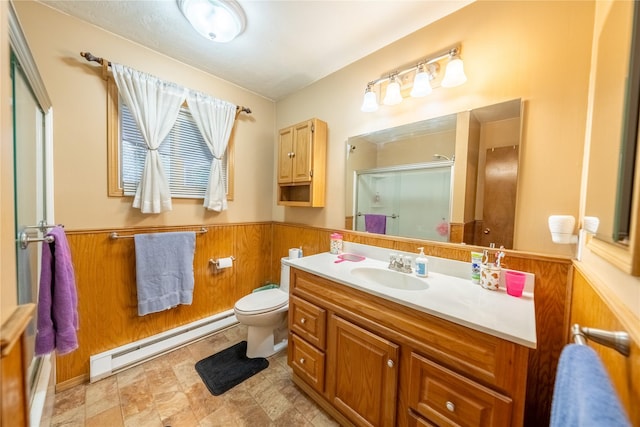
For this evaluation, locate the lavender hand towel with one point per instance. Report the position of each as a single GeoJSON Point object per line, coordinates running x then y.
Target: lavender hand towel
{"type": "Point", "coordinates": [57, 298]}
{"type": "Point", "coordinates": [374, 223]}
{"type": "Point", "coordinates": [583, 395]}
{"type": "Point", "coordinates": [164, 270]}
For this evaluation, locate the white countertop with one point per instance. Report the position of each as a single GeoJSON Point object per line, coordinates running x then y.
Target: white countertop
{"type": "Point", "coordinates": [448, 297]}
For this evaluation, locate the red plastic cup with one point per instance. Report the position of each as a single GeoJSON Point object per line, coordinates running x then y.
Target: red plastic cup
{"type": "Point", "coordinates": [515, 283]}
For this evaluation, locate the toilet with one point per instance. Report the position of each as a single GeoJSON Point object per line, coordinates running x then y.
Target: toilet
{"type": "Point", "coordinates": [265, 314]}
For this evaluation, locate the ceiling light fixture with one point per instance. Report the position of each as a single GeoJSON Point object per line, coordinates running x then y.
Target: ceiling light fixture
{"type": "Point", "coordinates": [425, 72]}
{"type": "Point", "coordinates": [217, 20]}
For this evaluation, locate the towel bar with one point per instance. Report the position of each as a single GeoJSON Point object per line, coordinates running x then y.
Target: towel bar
{"type": "Point", "coordinates": [114, 235]}
{"type": "Point", "coordinates": [24, 239]}
{"type": "Point", "coordinates": [617, 340]}
{"type": "Point", "coordinates": [43, 226]}
{"type": "Point", "coordinates": [393, 216]}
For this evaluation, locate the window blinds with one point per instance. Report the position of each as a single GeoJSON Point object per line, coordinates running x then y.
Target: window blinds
{"type": "Point", "coordinates": [185, 156]}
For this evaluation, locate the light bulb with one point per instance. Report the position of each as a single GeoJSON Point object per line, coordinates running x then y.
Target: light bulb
{"type": "Point", "coordinates": [370, 102]}
{"type": "Point", "coordinates": [421, 84]}
{"type": "Point", "coordinates": [454, 74]}
{"type": "Point", "coordinates": [393, 96]}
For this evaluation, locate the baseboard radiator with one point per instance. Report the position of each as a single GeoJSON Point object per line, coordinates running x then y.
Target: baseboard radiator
{"type": "Point", "coordinates": [113, 361]}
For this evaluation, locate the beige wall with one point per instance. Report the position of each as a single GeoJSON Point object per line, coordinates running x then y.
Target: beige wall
{"type": "Point", "coordinates": [416, 150]}
{"type": "Point", "coordinates": [8, 291]}
{"type": "Point", "coordinates": [538, 51]}
{"type": "Point", "coordinates": [78, 95]}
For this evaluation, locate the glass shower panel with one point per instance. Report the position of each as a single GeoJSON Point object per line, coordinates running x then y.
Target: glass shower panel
{"type": "Point", "coordinates": [375, 194]}
{"type": "Point", "coordinates": [416, 200]}
{"type": "Point", "coordinates": [424, 208]}
{"type": "Point", "coordinates": [28, 124]}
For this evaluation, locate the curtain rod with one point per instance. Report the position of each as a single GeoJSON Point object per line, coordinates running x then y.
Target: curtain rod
{"type": "Point", "coordinates": [92, 58]}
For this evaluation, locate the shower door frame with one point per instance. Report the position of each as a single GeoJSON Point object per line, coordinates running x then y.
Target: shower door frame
{"type": "Point", "coordinates": [41, 368]}
{"type": "Point", "coordinates": [403, 168]}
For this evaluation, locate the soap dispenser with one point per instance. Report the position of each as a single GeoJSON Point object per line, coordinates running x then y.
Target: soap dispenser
{"type": "Point", "coordinates": [422, 264]}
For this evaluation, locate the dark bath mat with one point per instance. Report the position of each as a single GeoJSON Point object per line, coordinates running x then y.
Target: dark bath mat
{"type": "Point", "coordinates": [229, 368]}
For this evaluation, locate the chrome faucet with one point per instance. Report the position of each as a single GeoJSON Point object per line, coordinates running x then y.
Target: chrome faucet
{"type": "Point", "coordinates": [400, 263]}
{"type": "Point", "coordinates": [393, 262]}
{"type": "Point", "coordinates": [406, 267]}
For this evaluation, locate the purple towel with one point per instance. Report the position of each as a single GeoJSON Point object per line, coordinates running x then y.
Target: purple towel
{"type": "Point", "coordinates": [57, 298]}
{"type": "Point", "coordinates": [374, 223]}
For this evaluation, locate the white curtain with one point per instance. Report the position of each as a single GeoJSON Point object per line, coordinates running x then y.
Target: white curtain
{"type": "Point", "coordinates": [214, 118]}
{"type": "Point", "coordinates": [155, 105]}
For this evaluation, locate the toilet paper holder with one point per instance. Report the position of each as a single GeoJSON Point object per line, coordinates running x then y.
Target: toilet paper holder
{"type": "Point", "coordinates": [216, 262]}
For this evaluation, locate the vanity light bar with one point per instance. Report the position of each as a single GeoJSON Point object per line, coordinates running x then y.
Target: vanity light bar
{"type": "Point", "coordinates": [454, 76]}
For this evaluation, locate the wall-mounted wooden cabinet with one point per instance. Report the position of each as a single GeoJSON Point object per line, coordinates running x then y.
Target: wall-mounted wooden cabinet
{"type": "Point", "coordinates": [302, 164]}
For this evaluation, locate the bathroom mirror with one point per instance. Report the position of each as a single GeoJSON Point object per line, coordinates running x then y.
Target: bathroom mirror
{"type": "Point", "coordinates": [614, 135]}
{"type": "Point", "coordinates": [429, 178]}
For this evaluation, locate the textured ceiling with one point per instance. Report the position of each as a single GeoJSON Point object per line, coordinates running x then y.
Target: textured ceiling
{"type": "Point", "coordinates": [286, 45]}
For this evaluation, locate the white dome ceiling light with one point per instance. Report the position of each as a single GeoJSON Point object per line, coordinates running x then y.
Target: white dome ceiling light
{"type": "Point", "coordinates": [218, 20]}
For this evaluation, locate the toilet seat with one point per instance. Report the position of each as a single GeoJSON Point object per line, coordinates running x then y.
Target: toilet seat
{"type": "Point", "coordinates": [262, 301]}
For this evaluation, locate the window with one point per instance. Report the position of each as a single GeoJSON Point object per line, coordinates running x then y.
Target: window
{"type": "Point", "coordinates": [185, 157]}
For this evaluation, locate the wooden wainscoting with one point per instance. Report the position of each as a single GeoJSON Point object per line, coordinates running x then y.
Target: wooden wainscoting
{"type": "Point", "coordinates": [106, 282]}
{"type": "Point", "coordinates": [456, 232]}
{"type": "Point", "coordinates": [553, 275]}
{"type": "Point", "coordinates": [592, 306]}
{"type": "Point", "coordinates": [13, 367]}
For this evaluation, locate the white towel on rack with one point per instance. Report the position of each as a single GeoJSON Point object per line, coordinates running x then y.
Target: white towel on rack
{"type": "Point", "coordinates": [164, 270]}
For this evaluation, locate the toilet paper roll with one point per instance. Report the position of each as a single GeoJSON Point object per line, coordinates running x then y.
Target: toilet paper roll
{"type": "Point", "coordinates": [294, 253]}
{"type": "Point", "coordinates": [224, 263]}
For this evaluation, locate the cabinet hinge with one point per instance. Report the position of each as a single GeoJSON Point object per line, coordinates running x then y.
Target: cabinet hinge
{"type": "Point", "coordinates": [311, 173]}
{"type": "Point", "coordinates": [313, 128]}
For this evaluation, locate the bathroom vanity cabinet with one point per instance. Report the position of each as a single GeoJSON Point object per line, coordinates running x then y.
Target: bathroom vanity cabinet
{"type": "Point", "coordinates": [369, 361]}
{"type": "Point", "coordinates": [302, 158]}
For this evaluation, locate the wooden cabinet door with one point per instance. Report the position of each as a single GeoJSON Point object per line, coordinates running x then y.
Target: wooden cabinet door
{"type": "Point", "coordinates": [285, 152]}
{"type": "Point", "coordinates": [362, 374]}
{"type": "Point", "coordinates": [303, 151]}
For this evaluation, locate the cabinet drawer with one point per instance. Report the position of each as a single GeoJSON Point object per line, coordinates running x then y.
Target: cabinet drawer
{"type": "Point", "coordinates": [308, 320]}
{"type": "Point", "coordinates": [415, 420]}
{"type": "Point", "coordinates": [307, 362]}
{"type": "Point", "coordinates": [449, 399]}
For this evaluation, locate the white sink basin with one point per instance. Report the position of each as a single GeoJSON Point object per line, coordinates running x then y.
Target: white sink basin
{"type": "Point", "coordinates": [390, 278]}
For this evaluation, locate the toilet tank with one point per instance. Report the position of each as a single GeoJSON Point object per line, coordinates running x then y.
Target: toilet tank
{"type": "Point", "coordinates": [284, 275]}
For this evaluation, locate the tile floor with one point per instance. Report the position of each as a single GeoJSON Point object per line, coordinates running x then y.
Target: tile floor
{"type": "Point", "coordinates": [167, 391]}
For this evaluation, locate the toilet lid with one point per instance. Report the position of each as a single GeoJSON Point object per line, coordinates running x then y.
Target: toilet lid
{"type": "Point", "coordinates": [262, 301]}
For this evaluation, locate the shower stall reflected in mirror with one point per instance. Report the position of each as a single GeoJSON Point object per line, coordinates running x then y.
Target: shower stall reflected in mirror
{"type": "Point", "coordinates": [407, 201]}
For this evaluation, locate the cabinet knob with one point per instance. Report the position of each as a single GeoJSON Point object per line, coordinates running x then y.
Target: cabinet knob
{"type": "Point", "coordinates": [303, 320]}
{"type": "Point", "coordinates": [450, 406]}
{"type": "Point", "coordinates": [487, 231]}
{"type": "Point", "coordinates": [293, 155]}
{"type": "Point", "coordinates": [390, 363]}
{"type": "Point", "coordinates": [302, 360]}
